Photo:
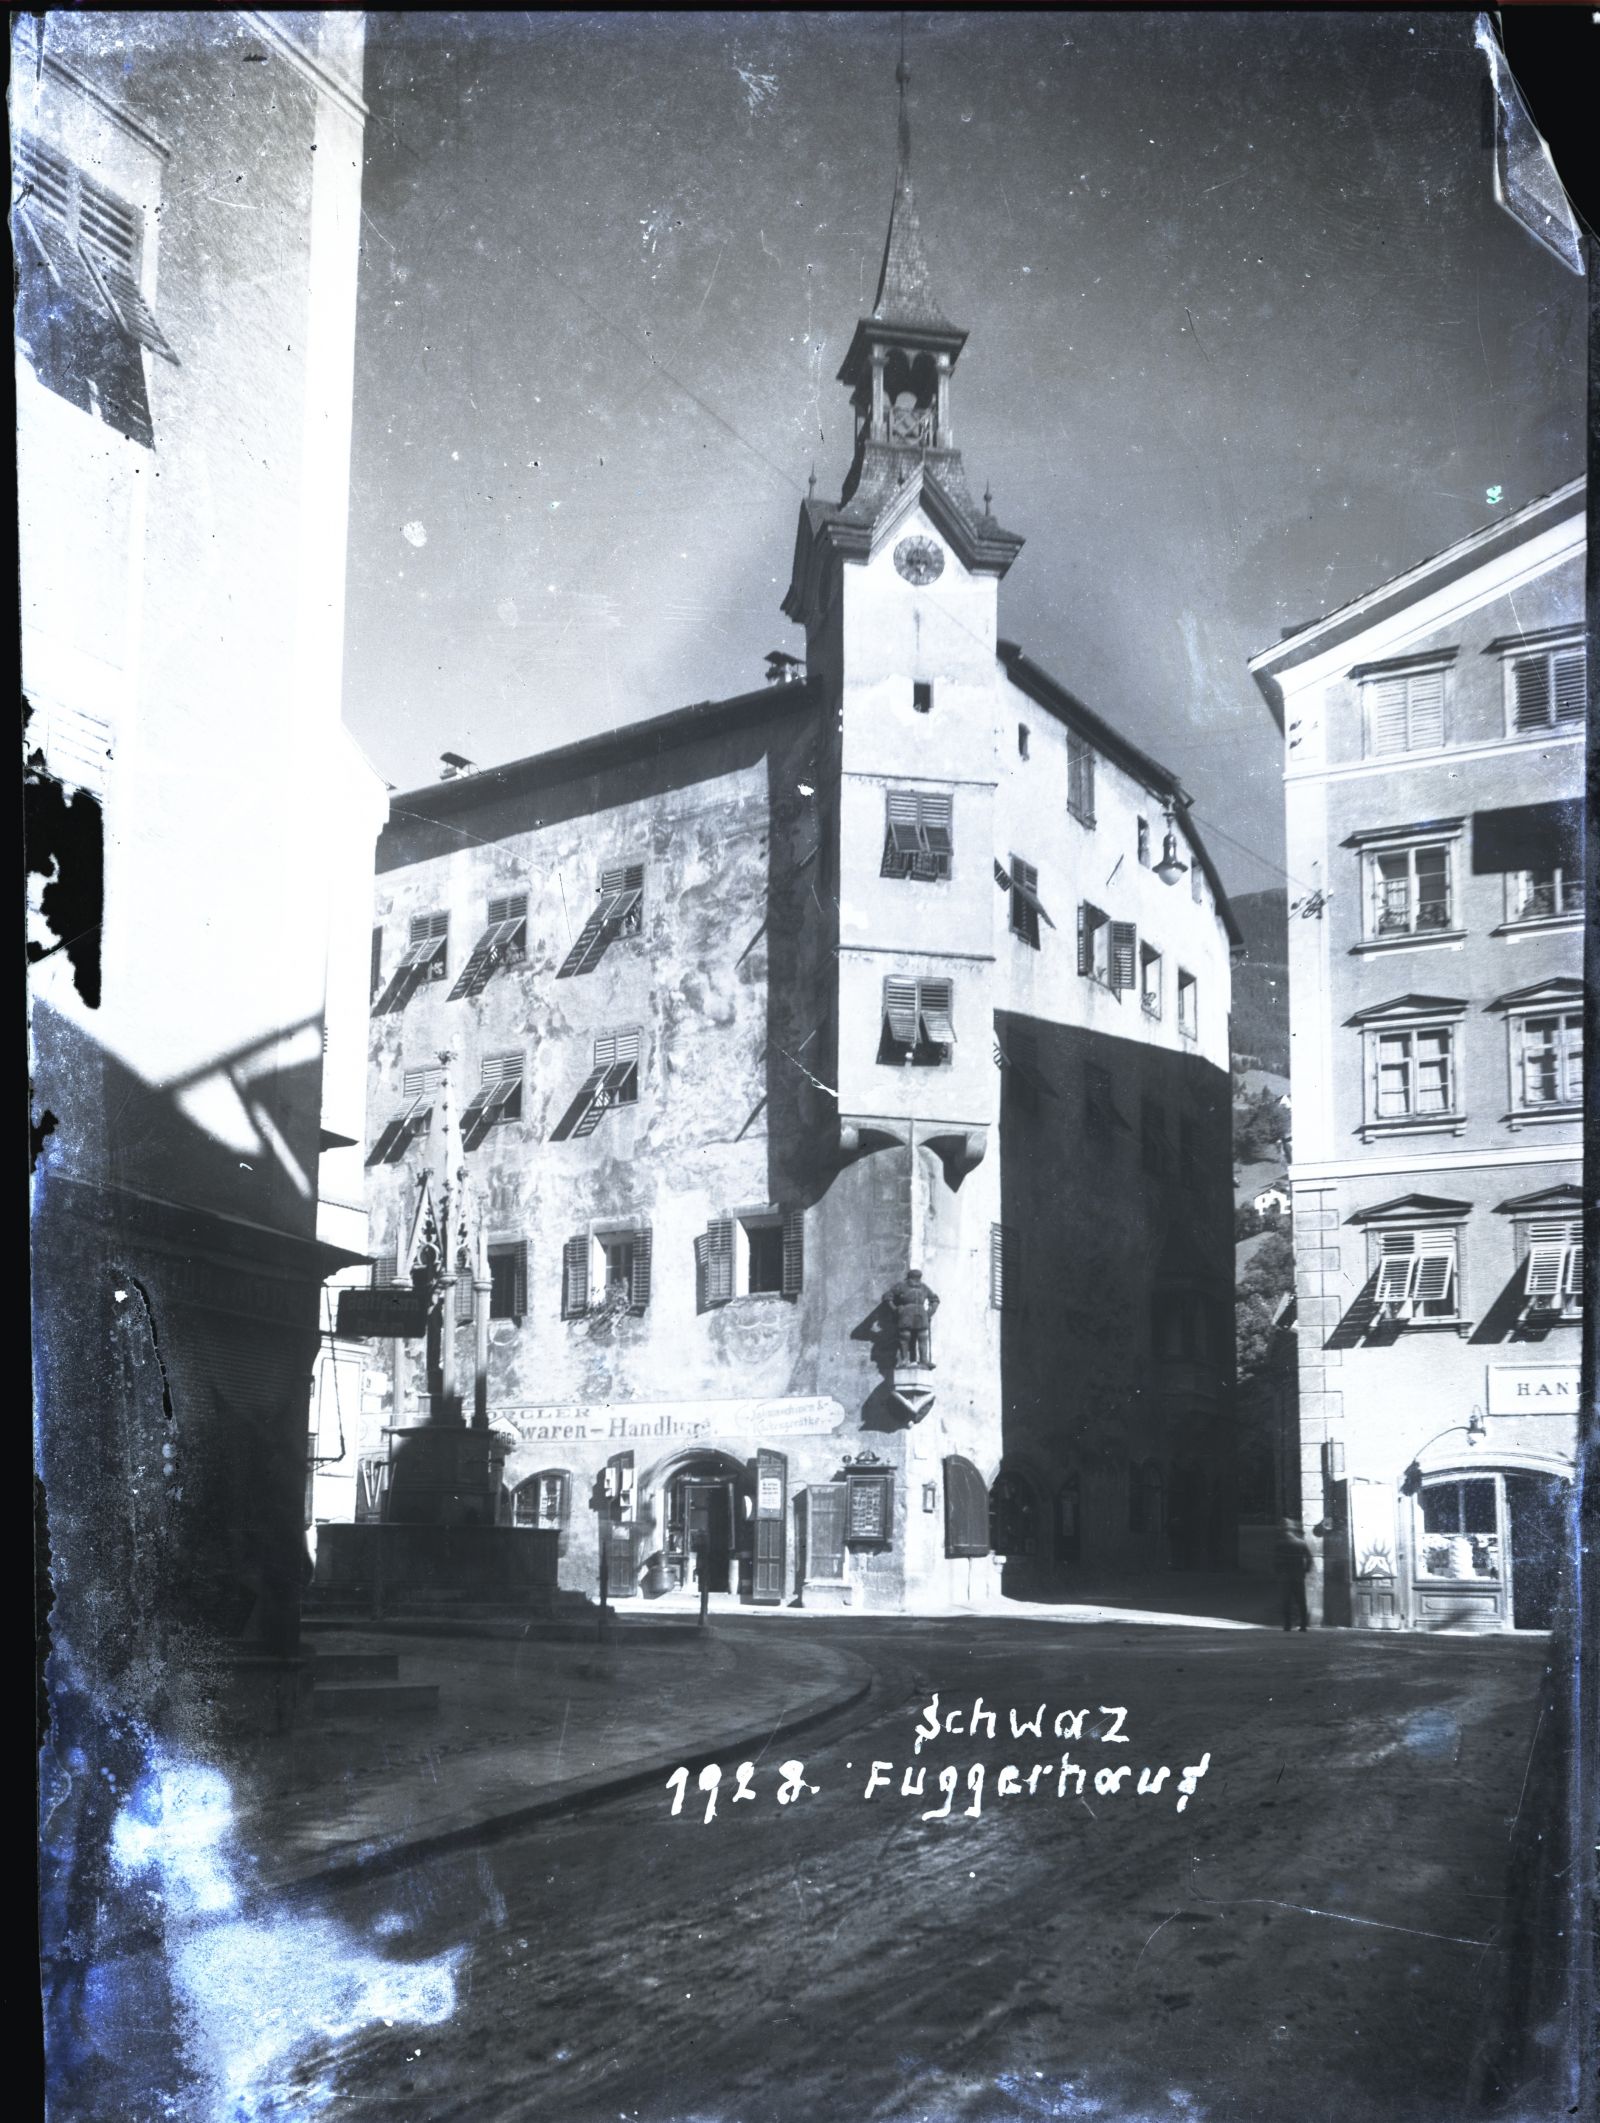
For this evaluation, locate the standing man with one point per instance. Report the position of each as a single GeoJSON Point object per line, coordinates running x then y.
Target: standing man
{"type": "Point", "coordinates": [1291, 1562]}
{"type": "Point", "coordinates": [913, 1305]}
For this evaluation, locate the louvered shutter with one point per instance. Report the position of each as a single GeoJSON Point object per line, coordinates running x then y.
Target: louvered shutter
{"type": "Point", "coordinates": [717, 1254]}
{"type": "Point", "coordinates": [1003, 1266]}
{"type": "Point", "coordinates": [574, 1278]}
{"type": "Point", "coordinates": [1124, 955]}
{"type": "Point", "coordinates": [1436, 1270]}
{"type": "Point", "coordinates": [1530, 677]}
{"type": "Point", "coordinates": [1386, 711]}
{"type": "Point", "coordinates": [1002, 876]}
{"type": "Point", "coordinates": [794, 1255]}
{"type": "Point", "coordinates": [639, 1292]}
{"type": "Point", "coordinates": [519, 1279]}
{"type": "Point", "coordinates": [966, 1509]}
{"type": "Point", "coordinates": [1569, 686]}
{"type": "Point", "coordinates": [1085, 940]}
{"type": "Point", "coordinates": [466, 1296]}
{"type": "Point", "coordinates": [1397, 1267]}
{"type": "Point", "coordinates": [937, 834]}
{"type": "Point", "coordinates": [900, 1009]}
{"type": "Point", "coordinates": [903, 821]}
{"type": "Point", "coordinates": [1426, 691]}
{"type": "Point", "coordinates": [1545, 1265]}
{"type": "Point", "coordinates": [935, 1003]}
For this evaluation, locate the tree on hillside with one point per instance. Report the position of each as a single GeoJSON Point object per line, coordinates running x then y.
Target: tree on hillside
{"type": "Point", "coordinates": [1261, 1289]}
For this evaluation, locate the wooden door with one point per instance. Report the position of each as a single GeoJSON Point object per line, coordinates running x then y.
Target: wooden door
{"type": "Point", "coordinates": [772, 1525]}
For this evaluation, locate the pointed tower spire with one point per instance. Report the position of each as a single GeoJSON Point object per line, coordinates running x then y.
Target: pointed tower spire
{"type": "Point", "coordinates": [905, 290]}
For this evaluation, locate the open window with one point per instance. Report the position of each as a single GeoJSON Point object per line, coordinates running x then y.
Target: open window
{"type": "Point", "coordinates": [1027, 908]}
{"type": "Point", "coordinates": [753, 1253]}
{"type": "Point", "coordinates": [1188, 1005]}
{"type": "Point", "coordinates": [1094, 944]}
{"type": "Point", "coordinates": [1416, 1277]}
{"type": "Point", "coordinates": [1552, 1276]}
{"type": "Point", "coordinates": [543, 1500]}
{"type": "Point", "coordinates": [1080, 778]}
{"type": "Point", "coordinates": [1150, 980]}
{"type": "Point", "coordinates": [424, 959]}
{"type": "Point", "coordinates": [419, 1087]}
{"type": "Point", "coordinates": [606, 1270]}
{"type": "Point", "coordinates": [619, 912]}
{"type": "Point", "coordinates": [82, 323]}
{"type": "Point", "coordinates": [917, 842]}
{"type": "Point", "coordinates": [504, 942]}
{"type": "Point", "coordinates": [498, 1098]}
{"type": "Point", "coordinates": [918, 1021]}
{"type": "Point", "coordinates": [508, 1278]}
{"type": "Point", "coordinates": [612, 1082]}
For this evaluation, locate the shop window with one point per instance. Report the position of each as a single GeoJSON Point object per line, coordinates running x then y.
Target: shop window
{"type": "Point", "coordinates": [917, 839]}
{"type": "Point", "coordinates": [918, 1021]}
{"type": "Point", "coordinates": [504, 942]}
{"type": "Point", "coordinates": [619, 913]}
{"type": "Point", "coordinates": [1460, 1533]}
{"type": "Point", "coordinates": [544, 1500]}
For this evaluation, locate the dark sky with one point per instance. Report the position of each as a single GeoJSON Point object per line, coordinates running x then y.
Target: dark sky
{"type": "Point", "coordinates": [1249, 335]}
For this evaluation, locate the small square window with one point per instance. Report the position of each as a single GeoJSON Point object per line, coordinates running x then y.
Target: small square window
{"type": "Point", "coordinates": [922, 696]}
{"type": "Point", "coordinates": [1080, 779]}
{"type": "Point", "coordinates": [1188, 1005]}
{"type": "Point", "coordinates": [1023, 736]}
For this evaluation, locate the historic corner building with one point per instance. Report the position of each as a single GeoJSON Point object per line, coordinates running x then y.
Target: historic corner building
{"type": "Point", "coordinates": [902, 960]}
{"type": "Point", "coordinates": [1434, 745]}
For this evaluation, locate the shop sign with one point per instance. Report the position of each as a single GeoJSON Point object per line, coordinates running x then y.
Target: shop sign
{"type": "Point", "coordinates": [617, 1422]}
{"type": "Point", "coordinates": [1533, 1389]}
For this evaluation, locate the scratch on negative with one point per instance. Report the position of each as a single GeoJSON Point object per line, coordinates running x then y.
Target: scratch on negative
{"type": "Point", "coordinates": [773, 1734]}
{"type": "Point", "coordinates": [1338, 1917]}
{"type": "Point", "coordinates": [1526, 1773]}
{"type": "Point", "coordinates": [561, 1743]}
{"type": "Point", "coordinates": [1145, 1948]}
{"type": "Point", "coordinates": [805, 1072]}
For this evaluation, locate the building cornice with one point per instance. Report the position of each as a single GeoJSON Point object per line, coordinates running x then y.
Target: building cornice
{"type": "Point", "coordinates": [1430, 762]}
{"type": "Point", "coordinates": [1313, 1172]}
{"type": "Point", "coordinates": [306, 63]}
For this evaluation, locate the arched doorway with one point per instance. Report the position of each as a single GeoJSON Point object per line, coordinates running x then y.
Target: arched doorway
{"type": "Point", "coordinates": [705, 1508]}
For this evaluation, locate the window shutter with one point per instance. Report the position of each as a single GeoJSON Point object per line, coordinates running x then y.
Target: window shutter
{"type": "Point", "coordinates": [1002, 876]}
{"type": "Point", "coordinates": [519, 1278]}
{"type": "Point", "coordinates": [717, 1255]}
{"type": "Point", "coordinates": [1569, 686]}
{"type": "Point", "coordinates": [900, 1009]}
{"type": "Point", "coordinates": [1085, 939]}
{"type": "Point", "coordinates": [1387, 712]}
{"type": "Point", "coordinates": [1397, 1267]}
{"type": "Point", "coordinates": [1427, 710]}
{"type": "Point", "coordinates": [1531, 683]}
{"type": "Point", "coordinates": [1004, 1287]}
{"type": "Point", "coordinates": [574, 1278]}
{"type": "Point", "coordinates": [794, 1251]}
{"type": "Point", "coordinates": [935, 1002]}
{"type": "Point", "coordinates": [640, 1291]}
{"type": "Point", "coordinates": [1124, 953]}
{"type": "Point", "coordinates": [936, 823]}
{"type": "Point", "coordinates": [966, 1509]}
{"type": "Point", "coordinates": [1436, 1270]}
{"type": "Point", "coordinates": [1545, 1265]}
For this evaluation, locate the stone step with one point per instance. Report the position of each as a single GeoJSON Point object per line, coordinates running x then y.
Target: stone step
{"type": "Point", "coordinates": [374, 1699]}
{"type": "Point", "coordinates": [355, 1666]}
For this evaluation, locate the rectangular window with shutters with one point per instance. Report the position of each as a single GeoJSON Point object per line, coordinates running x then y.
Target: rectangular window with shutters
{"type": "Point", "coordinates": [1188, 1005]}
{"type": "Point", "coordinates": [1080, 779]}
{"type": "Point", "coordinates": [1411, 1074]}
{"type": "Point", "coordinates": [1547, 1060]}
{"type": "Point", "coordinates": [425, 958]}
{"type": "Point", "coordinates": [606, 1272]}
{"type": "Point", "coordinates": [1005, 1267]}
{"type": "Point", "coordinates": [1547, 691]}
{"type": "Point", "coordinates": [1027, 909]}
{"type": "Point", "coordinates": [504, 942]}
{"type": "Point", "coordinates": [498, 1098]}
{"type": "Point", "coordinates": [418, 1088]}
{"type": "Point", "coordinates": [752, 1253]}
{"type": "Point", "coordinates": [1552, 1275]}
{"type": "Point", "coordinates": [1150, 980]}
{"type": "Point", "coordinates": [1417, 1276]}
{"type": "Point", "coordinates": [619, 912]}
{"type": "Point", "coordinates": [918, 842]}
{"type": "Point", "coordinates": [508, 1278]}
{"type": "Point", "coordinates": [1094, 944]}
{"type": "Point", "coordinates": [1410, 891]}
{"type": "Point", "coordinates": [918, 1021]}
{"type": "Point", "coordinates": [613, 1081]}
{"type": "Point", "coordinates": [1404, 711]}
{"type": "Point", "coordinates": [82, 322]}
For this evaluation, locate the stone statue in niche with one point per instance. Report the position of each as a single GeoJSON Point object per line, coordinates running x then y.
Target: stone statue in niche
{"type": "Point", "coordinates": [912, 1305]}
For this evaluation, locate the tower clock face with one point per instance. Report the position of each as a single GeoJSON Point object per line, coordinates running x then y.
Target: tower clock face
{"type": "Point", "coordinates": [919, 560]}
